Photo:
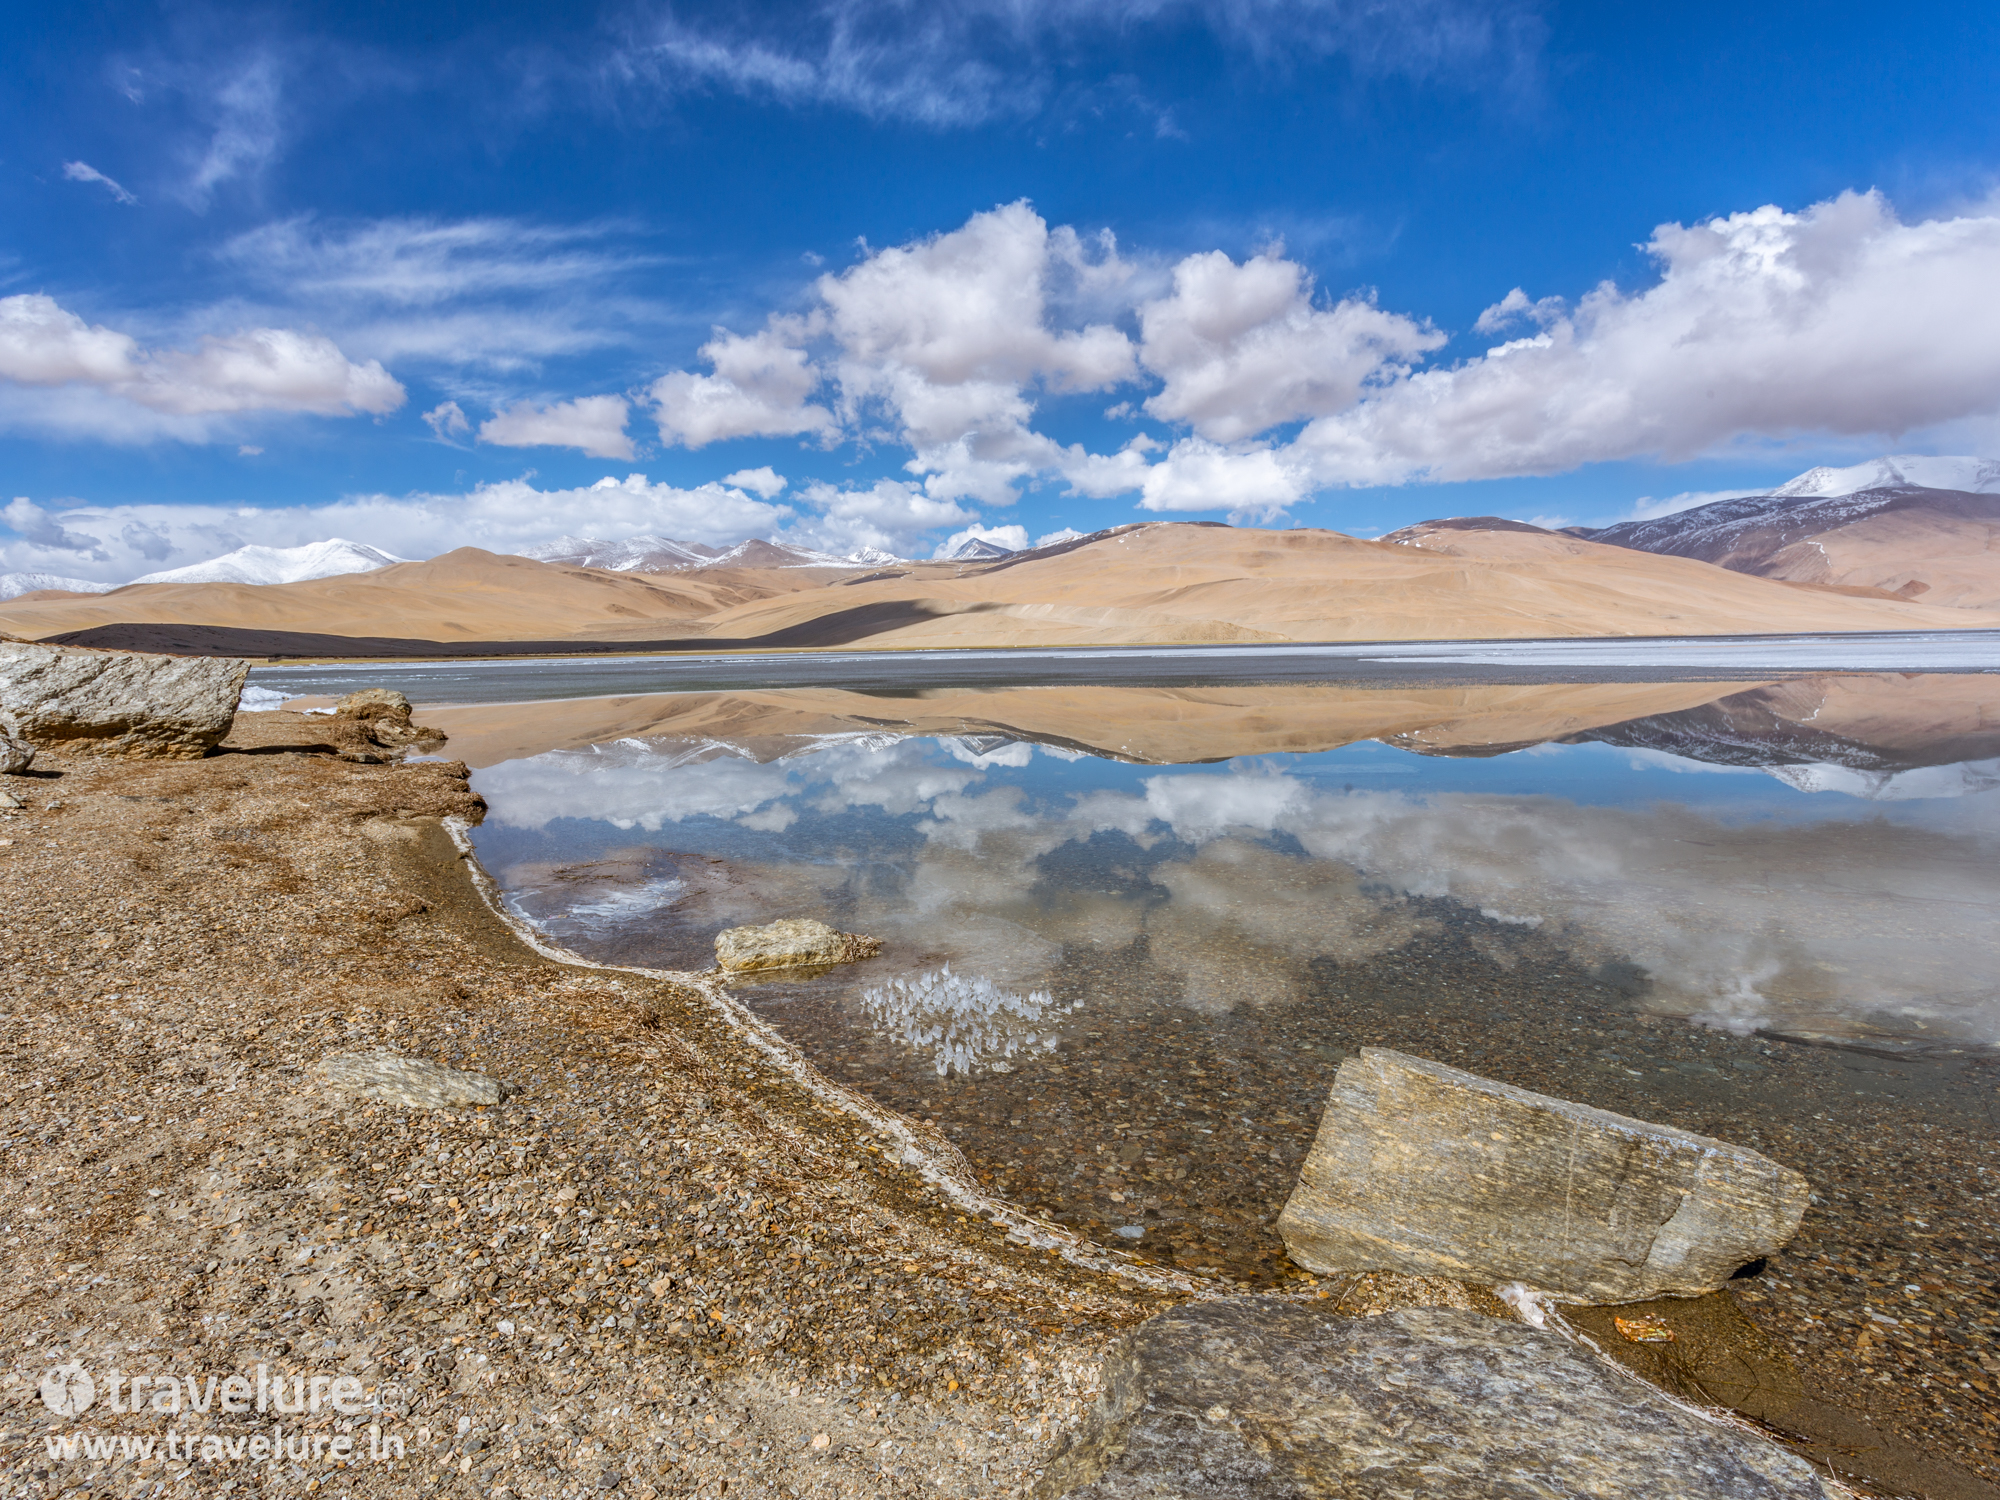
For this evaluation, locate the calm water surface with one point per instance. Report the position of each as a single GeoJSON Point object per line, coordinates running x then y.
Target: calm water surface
{"type": "Point", "coordinates": [1123, 988]}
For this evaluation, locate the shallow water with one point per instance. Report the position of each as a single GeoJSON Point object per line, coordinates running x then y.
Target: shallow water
{"type": "Point", "coordinates": [1123, 988]}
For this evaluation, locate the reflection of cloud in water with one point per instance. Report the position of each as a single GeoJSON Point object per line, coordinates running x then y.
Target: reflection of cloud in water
{"type": "Point", "coordinates": [966, 1025]}
{"type": "Point", "coordinates": [614, 907]}
{"type": "Point", "coordinates": [1830, 925]}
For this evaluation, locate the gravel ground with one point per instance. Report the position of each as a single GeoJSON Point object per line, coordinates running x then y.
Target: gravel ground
{"type": "Point", "coordinates": [660, 1267]}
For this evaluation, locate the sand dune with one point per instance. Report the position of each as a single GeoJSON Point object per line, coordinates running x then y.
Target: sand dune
{"type": "Point", "coordinates": [1156, 583]}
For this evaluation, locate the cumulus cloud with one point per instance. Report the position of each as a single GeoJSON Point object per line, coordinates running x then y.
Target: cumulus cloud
{"type": "Point", "coordinates": [105, 375]}
{"type": "Point", "coordinates": [594, 424]}
{"type": "Point", "coordinates": [887, 515]}
{"type": "Point", "coordinates": [1840, 319]}
{"type": "Point", "coordinates": [764, 480]}
{"type": "Point", "coordinates": [1250, 483]}
{"type": "Point", "coordinates": [1242, 348]}
{"type": "Point", "coordinates": [948, 340]}
{"type": "Point", "coordinates": [83, 171]}
{"type": "Point", "coordinates": [759, 389]}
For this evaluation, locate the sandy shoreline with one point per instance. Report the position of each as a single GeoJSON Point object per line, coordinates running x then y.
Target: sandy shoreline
{"type": "Point", "coordinates": [664, 1264]}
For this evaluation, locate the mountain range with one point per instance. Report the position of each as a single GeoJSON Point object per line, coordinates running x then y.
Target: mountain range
{"type": "Point", "coordinates": [1156, 582]}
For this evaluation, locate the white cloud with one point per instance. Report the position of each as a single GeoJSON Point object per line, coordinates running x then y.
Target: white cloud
{"type": "Point", "coordinates": [765, 481]}
{"type": "Point", "coordinates": [889, 515]}
{"type": "Point", "coordinates": [499, 294]}
{"type": "Point", "coordinates": [1242, 348]}
{"type": "Point", "coordinates": [100, 375]}
{"type": "Point", "coordinates": [953, 66]}
{"type": "Point", "coordinates": [594, 424]}
{"type": "Point", "coordinates": [759, 389]}
{"type": "Point", "coordinates": [116, 543]}
{"type": "Point", "coordinates": [241, 113]}
{"type": "Point", "coordinates": [1013, 538]}
{"type": "Point", "coordinates": [83, 171]}
{"type": "Point", "coordinates": [447, 420]}
{"type": "Point", "coordinates": [1837, 320]}
{"type": "Point", "coordinates": [1249, 483]}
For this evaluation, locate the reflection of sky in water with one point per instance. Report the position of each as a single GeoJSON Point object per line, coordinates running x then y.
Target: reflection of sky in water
{"type": "Point", "coordinates": [1749, 900]}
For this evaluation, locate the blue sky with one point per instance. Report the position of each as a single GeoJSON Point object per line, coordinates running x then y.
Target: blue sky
{"type": "Point", "coordinates": [863, 272]}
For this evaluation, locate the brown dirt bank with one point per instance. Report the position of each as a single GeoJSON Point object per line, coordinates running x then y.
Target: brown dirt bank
{"type": "Point", "coordinates": [660, 1266]}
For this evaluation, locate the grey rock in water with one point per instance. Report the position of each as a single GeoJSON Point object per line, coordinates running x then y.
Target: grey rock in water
{"type": "Point", "coordinates": [1427, 1169]}
{"type": "Point", "coordinates": [1262, 1398]}
{"type": "Point", "coordinates": [128, 703]}
{"type": "Point", "coordinates": [407, 1081]}
{"type": "Point", "coordinates": [790, 944]}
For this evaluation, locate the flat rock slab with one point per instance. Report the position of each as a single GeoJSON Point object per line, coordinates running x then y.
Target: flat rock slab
{"type": "Point", "coordinates": [794, 943]}
{"type": "Point", "coordinates": [409, 1082]}
{"type": "Point", "coordinates": [1430, 1170]}
{"type": "Point", "coordinates": [1260, 1398]}
{"type": "Point", "coordinates": [118, 702]}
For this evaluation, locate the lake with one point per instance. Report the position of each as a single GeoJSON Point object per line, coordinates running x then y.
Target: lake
{"type": "Point", "coordinates": [1130, 930]}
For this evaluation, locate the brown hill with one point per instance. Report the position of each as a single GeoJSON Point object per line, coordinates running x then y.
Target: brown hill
{"type": "Point", "coordinates": [1940, 546]}
{"type": "Point", "coordinates": [1155, 583]}
{"type": "Point", "coordinates": [464, 595]}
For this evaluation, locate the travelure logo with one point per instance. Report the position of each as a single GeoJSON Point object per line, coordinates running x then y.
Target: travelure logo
{"type": "Point", "coordinates": [68, 1389]}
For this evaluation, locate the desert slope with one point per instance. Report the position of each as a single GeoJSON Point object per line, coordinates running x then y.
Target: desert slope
{"type": "Point", "coordinates": [464, 595]}
{"type": "Point", "coordinates": [1940, 546]}
{"type": "Point", "coordinates": [1153, 583]}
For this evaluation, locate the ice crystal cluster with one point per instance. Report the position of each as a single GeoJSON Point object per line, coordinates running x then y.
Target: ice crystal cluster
{"type": "Point", "coordinates": [967, 1025]}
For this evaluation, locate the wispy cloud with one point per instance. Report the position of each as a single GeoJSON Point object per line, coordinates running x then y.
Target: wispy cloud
{"type": "Point", "coordinates": [83, 171]}
{"type": "Point", "coordinates": [962, 64]}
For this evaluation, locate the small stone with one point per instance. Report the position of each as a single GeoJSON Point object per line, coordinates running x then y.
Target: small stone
{"type": "Point", "coordinates": [11, 804]}
{"type": "Point", "coordinates": [1260, 1398]}
{"type": "Point", "coordinates": [409, 1082]}
{"type": "Point", "coordinates": [1431, 1170]}
{"type": "Point", "coordinates": [793, 943]}
{"type": "Point", "coordinates": [16, 754]}
{"type": "Point", "coordinates": [374, 703]}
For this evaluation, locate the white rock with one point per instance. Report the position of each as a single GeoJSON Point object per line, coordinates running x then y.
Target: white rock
{"type": "Point", "coordinates": [790, 944]}
{"type": "Point", "coordinates": [118, 702]}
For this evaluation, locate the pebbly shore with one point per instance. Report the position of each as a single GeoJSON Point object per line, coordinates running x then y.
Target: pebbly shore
{"type": "Point", "coordinates": [660, 1266]}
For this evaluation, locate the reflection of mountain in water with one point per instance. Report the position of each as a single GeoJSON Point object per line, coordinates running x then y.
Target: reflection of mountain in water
{"type": "Point", "coordinates": [1867, 755]}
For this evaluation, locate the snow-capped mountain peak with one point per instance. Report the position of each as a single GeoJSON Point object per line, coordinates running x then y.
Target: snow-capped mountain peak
{"type": "Point", "coordinates": [1979, 476]}
{"type": "Point", "coordinates": [645, 553]}
{"type": "Point", "coordinates": [13, 585]}
{"type": "Point", "coordinates": [327, 559]}
{"type": "Point", "coordinates": [975, 549]}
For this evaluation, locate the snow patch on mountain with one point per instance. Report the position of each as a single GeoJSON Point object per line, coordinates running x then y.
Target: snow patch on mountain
{"type": "Point", "coordinates": [13, 585]}
{"type": "Point", "coordinates": [1978, 476]}
{"type": "Point", "coordinates": [327, 559]}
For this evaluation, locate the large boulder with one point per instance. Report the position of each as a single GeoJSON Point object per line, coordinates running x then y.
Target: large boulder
{"type": "Point", "coordinates": [793, 943]}
{"type": "Point", "coordinates": [1265, 1398]}
{"type": "Point", "coordinates": [1427, 1169]}
{"type": "Point", "coordinates": [81, 701]}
